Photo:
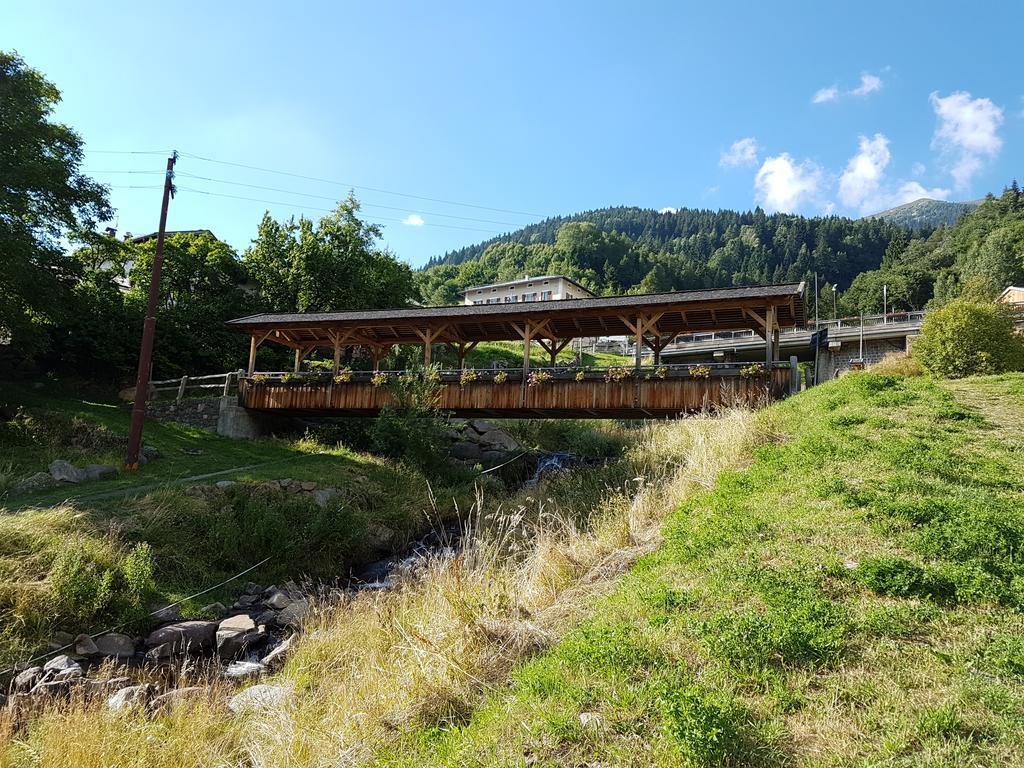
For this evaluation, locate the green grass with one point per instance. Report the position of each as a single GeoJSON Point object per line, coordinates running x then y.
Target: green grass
{"type": "Point", "coordinates": [64, 552]}
{"type": "Point", "coordinates": [853, 598]}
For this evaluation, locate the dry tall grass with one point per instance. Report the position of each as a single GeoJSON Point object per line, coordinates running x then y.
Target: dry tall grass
{"type": "Point", "coordinates": [427, 651]}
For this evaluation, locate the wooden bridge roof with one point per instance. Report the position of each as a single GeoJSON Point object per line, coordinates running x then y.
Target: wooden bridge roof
{"type": "Point", "coordinates": [675, 312]}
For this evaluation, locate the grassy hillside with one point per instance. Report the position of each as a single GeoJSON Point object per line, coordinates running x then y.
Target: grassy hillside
{"type": "Point", "coordinates": [851, 597]}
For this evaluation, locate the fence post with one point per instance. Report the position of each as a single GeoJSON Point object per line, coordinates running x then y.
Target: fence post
{"type": "Point", "coordinates": [181, 388]}
{"type": "Point", "coordinates": [794, 375]}
{"type": "Point", "coordinates": [227, 383]}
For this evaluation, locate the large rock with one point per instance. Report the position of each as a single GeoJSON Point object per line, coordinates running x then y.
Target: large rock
{"type": "Point", "coordinates": [379, 537]}
{"type": "Point", "coordinates": [115, 646]}
{"type": "Point", "coordinates": [40, 481]}
{"type": "Point", "coordinates": [65, 472]}
{"type": "Point", "coordinates": [60, 641]}
{"type": "Point", "coordinates": [132, 697]}
{"type": "Point", "coordinates": [27, 679]}
{"type": "Point", "coordinates": [258, 698]}
{"type": "Point", "coordinates": [279, 654]}
{"type": "Point", "coordinates": [183, 637]}
{"type": "Point", "coordinates": [466, 451]}
{"type": "Point", "coordinates": [498, 439]}
{"type": "Point", "coordinates": [215, 609]}
{"type": "Point", "coordinates": [278, 600]}
{"type": "Point", "coordinates": [86, 646]}
{"type": "Point", "coordinates": [61, 663]}
{"type": "Point", "coordinates": [99, 471]}
{"type": "Point", "coordinates": [294, 614]}
{"type": "Point", "coordinates": [167, 613]}
{"type": "Point", "coordinates": [242, 670]}
{"type": "Point", "coordinates": [235, 635]}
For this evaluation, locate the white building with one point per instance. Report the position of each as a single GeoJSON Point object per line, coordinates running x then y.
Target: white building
{"type": "Point", "coordinates": [543, 288]}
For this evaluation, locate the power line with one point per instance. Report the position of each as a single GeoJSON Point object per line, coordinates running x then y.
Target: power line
{"type": "Point", "coordinates": [333, 199]}
{"type": "Point", "coordinates": [325, 210]}
{"type": "Point", "coordinates": [358, 186]}
{"type": "Point", "coordinates": [129, 151]}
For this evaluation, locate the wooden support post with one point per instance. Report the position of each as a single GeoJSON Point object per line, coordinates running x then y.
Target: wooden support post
{"type": "Point", "coordinates": [337, 354]}
{"type": "Point", "coordinates": [639, 341]}
{"type": "Point", "coordinates": [298, 359]}
{"type": "Point", "coordinates": [252, 354]}
{"type": "Point", "coordinates": [794, 375]}
{"type": "Point", "coordinates": [181, 388]}
{"type": "Point", "coordinates": [769, 336]}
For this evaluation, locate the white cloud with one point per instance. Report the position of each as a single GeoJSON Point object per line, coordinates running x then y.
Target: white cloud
{"type": "Point", "coordinates": [863, 175]}
{"type": "Point", "coordinates": [742, 152]}
{"type": "Point", "coordinates": [668, 210]}
{"type": "Point", "coordinates": [782, 184]}
{"type": "Point", "coordinates": [909, 191]}
{"type": "Point", "coordinates": [917, 169]}
{"type": "Point", "coordinates": [413, 220]}
{"type": "Point", "coordinates": [868, 84]}
{"type": "Point", "coordinates": [966, 134]}
{"type": "Point", "coordinates": [823, 95]}
{"type": "Point", "coordinates": [862, 184]}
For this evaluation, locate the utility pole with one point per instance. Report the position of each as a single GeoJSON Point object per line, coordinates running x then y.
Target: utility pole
{"type": "Point", "coordinates": [817, 329]}
{"type": "Point", "coordinates": [835, 313]}
{"type": "Point", "coordinates": [149, 327]}
{"type": "Point", "coordinates": [885, 303]}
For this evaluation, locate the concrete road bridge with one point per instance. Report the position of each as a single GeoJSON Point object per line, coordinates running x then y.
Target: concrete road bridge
{"type": "Point", "coordinates": [851, 338]}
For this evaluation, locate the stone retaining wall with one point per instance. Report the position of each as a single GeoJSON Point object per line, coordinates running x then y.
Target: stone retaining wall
{"type": "Point", "coordinates": [198, 412]}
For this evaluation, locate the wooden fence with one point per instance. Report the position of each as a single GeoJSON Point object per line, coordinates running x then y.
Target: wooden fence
{"type": "Point", "coordinates": [218, 384]}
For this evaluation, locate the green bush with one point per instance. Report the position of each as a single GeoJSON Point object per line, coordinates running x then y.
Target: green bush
{"type": "Point", "coordinates": [967, 338]}
{"type": "Point", "coordinates": [412, 430]}
{"type": "Point", "coordinates": [704, 725]}
{"type": "Point", "coordinates": [93, 583]}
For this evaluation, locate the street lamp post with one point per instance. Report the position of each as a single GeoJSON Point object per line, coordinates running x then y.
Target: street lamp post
{"type": "Point", "coordinates": [835, 314]}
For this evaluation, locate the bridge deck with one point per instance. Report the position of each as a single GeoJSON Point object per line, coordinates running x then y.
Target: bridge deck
{"type": "Point", "coordinates": [547, 393]}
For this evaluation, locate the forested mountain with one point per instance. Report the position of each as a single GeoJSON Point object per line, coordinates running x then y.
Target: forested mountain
{"type": "Point", "coordinates": [622, 250]}
{"type": "Point", "coordinates": [927, 213]}
{"type": "Point", "coordinates": [635, 250]}
{"type": "Point", "coordinates": [977, 258]}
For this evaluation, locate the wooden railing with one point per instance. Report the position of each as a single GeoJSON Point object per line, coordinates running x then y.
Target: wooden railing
{"type": "Point", "coordinates": [208, 386]}
{"type": "Point", "coordinates": [547, 392]}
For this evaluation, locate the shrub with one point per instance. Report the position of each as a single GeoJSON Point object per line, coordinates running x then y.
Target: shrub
{"type": "Point", "coordinates": [92, 583]}
{"type": "Point", "coordinates": [967, 338]}
{"type": "Point", "coordinates": [412, 429]}
{"type": "Point", "coordinates": [704, 725]}
{"type": "Point", "coordinates": [898, 364]}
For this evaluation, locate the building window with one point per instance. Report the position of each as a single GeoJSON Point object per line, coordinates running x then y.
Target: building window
{"type": "Point", "coordinates": [545, 295]}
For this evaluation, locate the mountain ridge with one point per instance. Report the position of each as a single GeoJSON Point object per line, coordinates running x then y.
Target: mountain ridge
{"type": "Point", "coordinates": [926, 212]}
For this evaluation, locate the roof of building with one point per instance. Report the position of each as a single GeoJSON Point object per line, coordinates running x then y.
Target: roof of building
{"type": "Point", "coordinates": [526, 279]}
{"type": "Point", "coordinates": [152, 235]}
{"type": "Point", "coordinates": [675, 311]}
{"type": "Point", "coordinates": [1010, 289]}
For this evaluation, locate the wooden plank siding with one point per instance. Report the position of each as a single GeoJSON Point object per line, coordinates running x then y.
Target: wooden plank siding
{"type": "Point", "coordinates": [565, 398]}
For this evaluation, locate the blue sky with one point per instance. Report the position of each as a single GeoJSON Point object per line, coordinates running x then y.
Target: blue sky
{"type": "Point", "coordinates": [531, 109]}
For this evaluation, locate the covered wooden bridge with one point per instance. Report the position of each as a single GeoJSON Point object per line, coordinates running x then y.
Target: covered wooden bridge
{"type": "Point", "coordinates": [635, 390]}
